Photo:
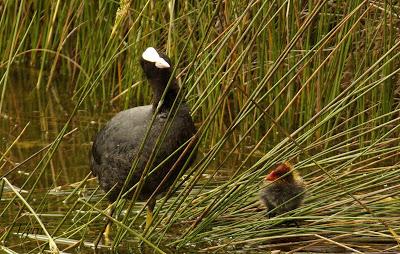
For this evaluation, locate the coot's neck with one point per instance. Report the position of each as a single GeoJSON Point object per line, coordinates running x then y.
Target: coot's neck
{"type": "Point", "coordinates": [158, 86]}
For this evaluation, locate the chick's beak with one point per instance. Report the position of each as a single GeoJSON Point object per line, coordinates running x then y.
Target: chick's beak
{"type": "Point", "coordinates": [270, 177]}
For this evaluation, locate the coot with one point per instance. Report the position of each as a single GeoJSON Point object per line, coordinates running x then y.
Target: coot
{"type": "Point", "coordinates": [116, 146]}
{"type": "Point", "coordinates": [285, 190]}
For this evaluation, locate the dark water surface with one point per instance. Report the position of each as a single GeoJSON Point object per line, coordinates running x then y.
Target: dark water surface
{"type": "Point", "coordinates": [43, 114]}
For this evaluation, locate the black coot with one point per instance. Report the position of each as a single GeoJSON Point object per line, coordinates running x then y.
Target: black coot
{"type": "Point", "coordinates": [117, 145]}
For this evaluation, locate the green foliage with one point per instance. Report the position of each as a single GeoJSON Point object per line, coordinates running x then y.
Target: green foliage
{"type": "Point", "coordinates": [314, 82]}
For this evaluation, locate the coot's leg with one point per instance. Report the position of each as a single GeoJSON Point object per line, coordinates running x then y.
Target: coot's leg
{"type": "Point", "coordinates": [149, 217]}
{"type": "Point", "coordinates": [290, 223]}
{"type": "Point", "coordinates": [106, 229]}
{"type": "Point", "coordinates": [271, 214]}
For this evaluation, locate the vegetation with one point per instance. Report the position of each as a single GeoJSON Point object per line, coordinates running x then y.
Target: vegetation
{"type": "Point", "coordinates": [313, 82]}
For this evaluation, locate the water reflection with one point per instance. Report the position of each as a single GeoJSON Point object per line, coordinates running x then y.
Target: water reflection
{"type": "Point", "coordinates": [46, 112]}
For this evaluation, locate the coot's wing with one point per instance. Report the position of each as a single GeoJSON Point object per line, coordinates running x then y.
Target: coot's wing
{"type": "Point", "coordinates": [119, 138]}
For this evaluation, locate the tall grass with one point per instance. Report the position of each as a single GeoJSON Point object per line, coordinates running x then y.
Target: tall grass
{"type": "Point", "coordinates": [314, 82]}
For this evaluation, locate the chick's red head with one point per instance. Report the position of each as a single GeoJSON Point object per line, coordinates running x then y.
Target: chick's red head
{"type": "Point", "coordinates": [280, 170]}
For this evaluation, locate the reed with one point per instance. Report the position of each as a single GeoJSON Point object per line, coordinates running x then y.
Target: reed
{"type": "Point", "coordinates": [314, 82]}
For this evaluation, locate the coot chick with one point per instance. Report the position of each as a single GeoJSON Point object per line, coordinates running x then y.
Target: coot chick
{"type": "Point", "coordinates": [116, 146]}
{"type": "Point", "coordinates": [285, 190]}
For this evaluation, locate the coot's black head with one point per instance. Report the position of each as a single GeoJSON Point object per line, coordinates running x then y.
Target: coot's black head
{"type": "Point", "coordinates": [156, 65]}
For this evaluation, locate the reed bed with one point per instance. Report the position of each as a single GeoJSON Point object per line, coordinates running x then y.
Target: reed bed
{"type": "Point", "coordinates": [313, 82]}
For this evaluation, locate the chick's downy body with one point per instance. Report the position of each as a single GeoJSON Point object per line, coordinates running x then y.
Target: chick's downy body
{"type": "Point", "coordinates": [284, 191]}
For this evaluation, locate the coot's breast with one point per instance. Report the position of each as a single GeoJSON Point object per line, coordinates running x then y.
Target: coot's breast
{"type": "Point", "coordinates": [125, 128]}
